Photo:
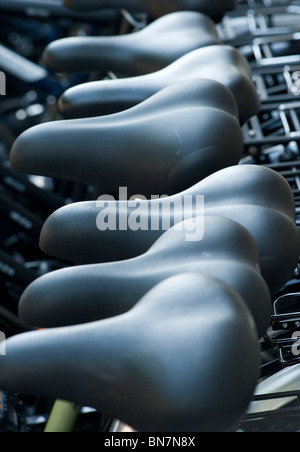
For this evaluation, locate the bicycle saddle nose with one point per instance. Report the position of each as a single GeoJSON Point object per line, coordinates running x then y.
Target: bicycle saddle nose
{"type": "Point", "coordinates": [216, 8]}
{"type": "Point", "coordinates": [84, 294]}
{"type": "Point", "coordinates": [194, 317]}
{"type": "Point", "coordinates": [162, 146]}
{"type": "Point", "coordinates": [221, 63]}
{"type": "Point", "coordinates": [258, 198]}
{"type": "Point", "coordinates": [149, 50]}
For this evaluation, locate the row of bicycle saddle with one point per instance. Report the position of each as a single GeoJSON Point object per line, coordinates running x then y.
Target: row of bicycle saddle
{"type": "Point", "coordinates": [158, 331]}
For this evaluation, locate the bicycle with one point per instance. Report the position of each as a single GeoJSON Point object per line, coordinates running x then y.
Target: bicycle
{"type": "Point", "coordinates": [270, 139]}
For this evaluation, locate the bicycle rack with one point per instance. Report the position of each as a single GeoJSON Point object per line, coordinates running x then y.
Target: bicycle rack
{"type": "Point", "coordinates": [278, 84]}
{"type": "Point", "coordinates": [246, 4]}
{"type": "Point", "coordinates": [265, 49]}
{"type": "Point", "coordinates": [242, 29]}
{"type": "Point", "coordinates": [284, 332]}
{"type": "Point", "coordinates": [276, 124]}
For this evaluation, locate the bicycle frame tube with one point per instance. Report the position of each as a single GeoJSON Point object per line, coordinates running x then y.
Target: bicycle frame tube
{"type": "Point", "coordinates": [28, 72]}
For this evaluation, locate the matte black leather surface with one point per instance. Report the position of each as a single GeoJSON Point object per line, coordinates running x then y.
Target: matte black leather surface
{"type": "Point", "coordinates": [221, 63]}
{"type": "Point", "coordinates": [185, 358]}
{"type": "Point", "coordinates": [162, 146]}
{"type": "Point", "coordinates": [149, 50]}
{"type": "Point", "coordinates": [157, 8]}
{"type": "Point", "coordinates": [256, 197]}
{"type": "Point", "coordinates": [87, 293]}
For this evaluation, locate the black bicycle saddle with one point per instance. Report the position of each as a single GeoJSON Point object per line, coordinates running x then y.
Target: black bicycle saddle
{"type": "Point", "coordinates": [185, 358]}
{"type": "Point", "coordinates": [84, 294]}
{"type": "Point", "coordinates": [149, 50]}
{"type": "Point", "coordinates": [256, 197]}
{"type": "Point", "coordinates": [162, 146]}
{"type": "Point", "coordinates": [156, 8]}
{"type": "Point", "coordinates": [221, 63]}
